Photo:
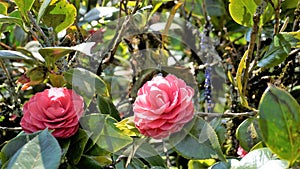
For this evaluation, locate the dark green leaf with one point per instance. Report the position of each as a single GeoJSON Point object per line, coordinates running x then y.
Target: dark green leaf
{"type": "Point", "coordinates": [279, 121]}
{"type": "Point", "coordinates": [203, 138]}
{"type": "Point", "coordinates": [8, 54]}
{"type": "Point", "coordinates": [248, 133]}
{"type": "Point", "coordinates": [106, 106]}
{"type": "Point", "coordinates": [88, 162]}
{"type": "Point", "coordinates": [79, 141]}
{"type": "Point", "coordinates": [86, 83]}
{"type": "Point", "coordinates": [59, 15]}
{"type": "Point", "coordinates": [278, 51]}
{"type": "Point", "coordinates": [43, 151]}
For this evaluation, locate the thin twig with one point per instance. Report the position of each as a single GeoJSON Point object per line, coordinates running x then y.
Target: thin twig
{"type": "Point", "coordinates": [256, 19]}
{"type": "Point", "coordinates": [11, 128]}
{"type": "Point", "coordinates": [227, 114]}
{"type": "Point", "coordinates": [109, 55]}
{"type": "Point", "coordinates": [38, 28]}
{"type": "Point", "coordinates": [277, 19]}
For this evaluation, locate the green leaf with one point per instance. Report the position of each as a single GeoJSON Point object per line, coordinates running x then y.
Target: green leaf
{"type": "Point", "coordinates": [43, 151]}
{"type": "Point", "coordinates": [106, 106]}
{"type": "Point", "coordinates": [248, 133]}
{"type": "Point", "coordinates": [230, 164]}
{"type": "Point", "coordinates": [203, 138]}
{"type": "Point", "coordinates": [42, 9]}
{"type": "Point", "coordinates": [8, 54]}
{"type": "Point", "coordinates": [104, 132]}
{"type": "Point", "coordinates": [79, 140]}
{"type": "Point", "coordinates": [213, 7]}
{"type": "Point", "coordinates": [278, 51]}
{"type": "Point", "coordinates": [59, 15]}
{"type": "Point", "coordinates": [3, 8]}
{"type": "Point", "coordinates": [24, 7]}
{"type": "Point", "coordinates": [88, 161]}
{"type": "Point", "coordinates": [259, 158]}
{"type": "Point", "coordinates": [86, 84]}
{"type": "Point", "coordinates": [279, 121]}
{"type": "Point", "coordinates": [52, 54]}
{"type": "Point", "coordinates": [195, 164]}
{"type": "Point", "coordinates": [14, 145]}
{"type": "Point", "coordinates": [293, 38]}
{"type": "Point", "coordinates": [242, 12]}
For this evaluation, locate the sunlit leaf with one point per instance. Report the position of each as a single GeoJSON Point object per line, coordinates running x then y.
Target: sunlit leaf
{"type": "Point", "coordinates": [8, 54]}
{"type": "Point", "coordinates": [242, 11]}
{"type": "Point", "coordinates": [260, 158]}
{"type": "Point", "coordinates": [24, 7]}
{"type": "Point", "coordinates": [59, 15]}
{"type": "Point", "coordinates": [279, 120]}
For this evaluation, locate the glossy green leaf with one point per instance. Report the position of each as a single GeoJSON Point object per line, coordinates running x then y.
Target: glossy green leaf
{"type": "Point", "coordinates": [86, 83]}
{"type": "Point", "coordinates": [242, 11]}
{"type": "Point", "coordinates": [248, 133]}
{"type": "Point", "coordinates": [279, 121]}
{"type": "Point", "coordinates": [8, 54]}
{"type": "Point", "coordinates": [52, 54]}
{"type": "Point", "coordinates": [43, 151]}
{"type": "Point", "coordinates": [278, 51]}
{"type": "Point", "coordinates": [203, 138]}
{"type": "Point", "coordinates": [79, 141]}
{"type": "Point", "coordinates": [14, 145]}
{"type": "Point", "coordinates": [59, 15]}
{"type": "Point", "coordinates": [104, 132]}
{"type": "Point", "coordinates": [42, 9]}
{"type": "Point", "coordinates": [259, 158]}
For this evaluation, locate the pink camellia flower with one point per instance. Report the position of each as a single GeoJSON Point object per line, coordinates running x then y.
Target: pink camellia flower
{"type": "Point", "coordinates": [163, 105]}
{"type": "Point", "coordinates": [57, 109]}
{"type": "Point", "coordinates": [241, 152]}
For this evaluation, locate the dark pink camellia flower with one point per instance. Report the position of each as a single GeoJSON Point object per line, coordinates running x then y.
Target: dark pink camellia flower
{"type": "Point", "coordinates": [163, 106]}
{"type": "Point", "coordinates": [57, 109]}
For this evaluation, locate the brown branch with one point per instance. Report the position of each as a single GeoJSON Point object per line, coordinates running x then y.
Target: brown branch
{"type": "Point", "coordinates": [277, 19]}
{"type": "Point", "coordinates": [256, 19]}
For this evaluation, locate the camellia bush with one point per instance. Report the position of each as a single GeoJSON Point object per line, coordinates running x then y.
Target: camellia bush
{"type": "Point", "coordinates": [150, 84]}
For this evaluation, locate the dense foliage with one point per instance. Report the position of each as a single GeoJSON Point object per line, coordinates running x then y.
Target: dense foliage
{"type": "Point", "coordinates": [234, 64]}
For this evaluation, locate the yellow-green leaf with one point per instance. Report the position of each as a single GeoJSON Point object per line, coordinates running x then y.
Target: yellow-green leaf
{"type": "Point", "coordinates": [59, 15]}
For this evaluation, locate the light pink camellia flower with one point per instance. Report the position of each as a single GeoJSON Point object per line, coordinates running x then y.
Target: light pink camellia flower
{"type": "Point", "coordinates": [163, 106]}
{"type": "Point", "coordinates": [57, 109]}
